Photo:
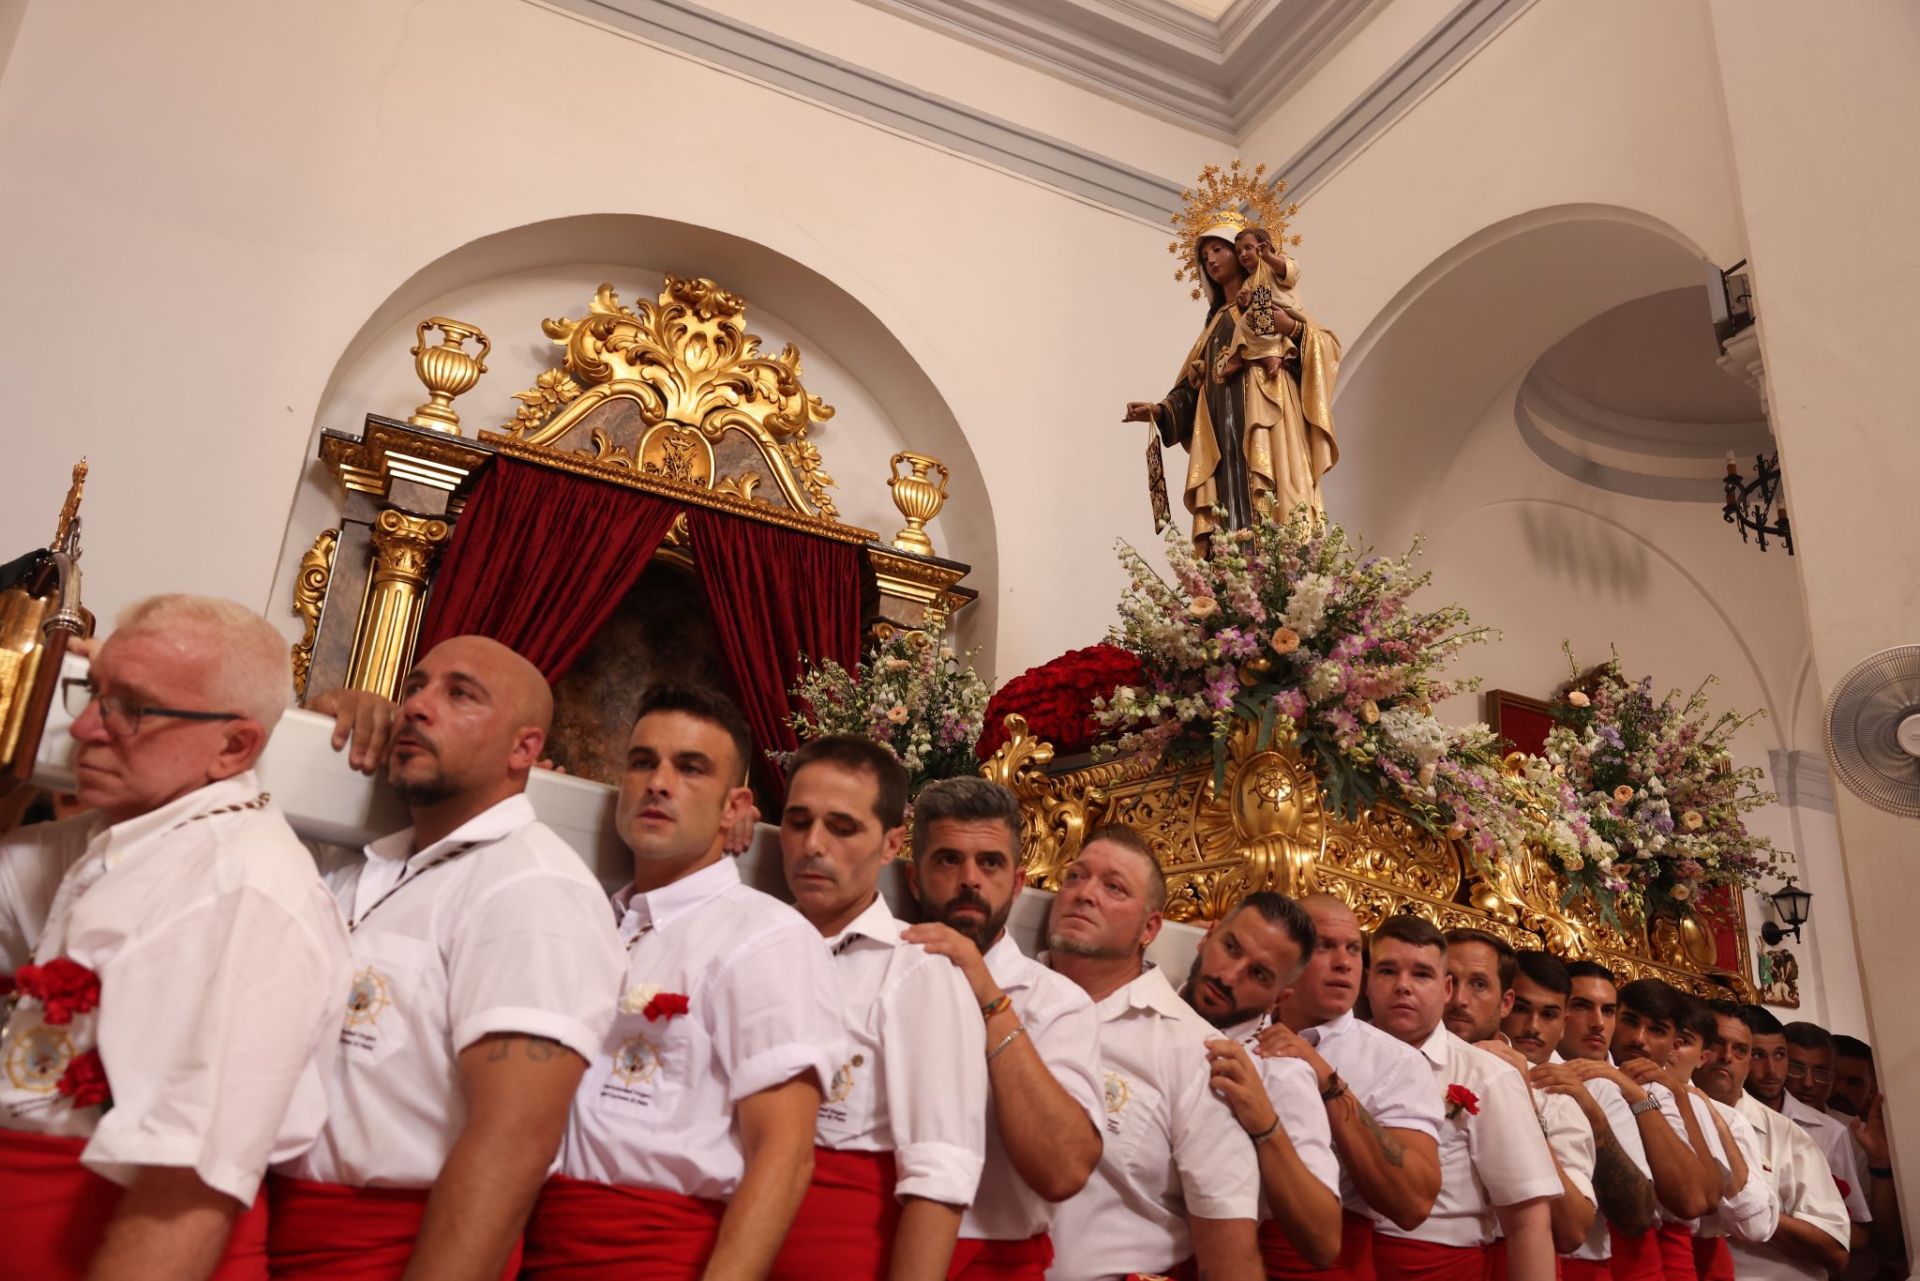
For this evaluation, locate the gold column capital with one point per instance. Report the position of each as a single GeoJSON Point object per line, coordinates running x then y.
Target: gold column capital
{"type": "Point", "coordinates": [404, 550]}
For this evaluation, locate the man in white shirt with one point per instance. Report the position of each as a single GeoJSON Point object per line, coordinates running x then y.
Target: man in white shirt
{"type": "Point", "coordinates": [691, 1138]}
{"type": "Point", "coordinates": [1244, 962]}
{"type": "Point", "coordinates": [1748, 1209]}
{"type": "Point", "coordinates": [902, 1133]}
{"type": "Point", "coordinates": [1177, 1178]}
{"type": "Point", "coordinates": [1809, 1240]}
{"type": "Point", "coordinates": [1622, 1187]}
{"type": "Point", "coordinates": [1043, 1042]}
{"type": "Point", "coordinates": [1770, 1075]}
{"type": "Point", "coordinates": [487, 973]}
{"type": "Point", "coordinates": [1484, 970]}
{"type": "Point", "coordinates": [1810, 1058]}
{"type": "Point", "coordinates": [1497, 1174]}
{"type": "Point", "coordinates": [177, 963]}
{"type": "Point", "coordinates": [1375, 1091]}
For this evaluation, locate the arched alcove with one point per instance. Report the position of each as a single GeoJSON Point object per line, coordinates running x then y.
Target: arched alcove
{"type": "Point", "coordinates": [508, 282]}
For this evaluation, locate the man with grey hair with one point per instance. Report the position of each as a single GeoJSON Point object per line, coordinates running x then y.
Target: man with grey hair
{"type": "Point", "coordinates": [1043, 1042]}
{"type": "Point", "coordinates": [177, 960]}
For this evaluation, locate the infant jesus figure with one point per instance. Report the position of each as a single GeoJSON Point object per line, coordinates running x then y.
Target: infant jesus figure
{"type": "Point", "coordinates": [1267, 313]}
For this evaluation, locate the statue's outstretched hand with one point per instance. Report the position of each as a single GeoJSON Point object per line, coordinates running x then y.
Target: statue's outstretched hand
{"type": "Point", "coordinates": [1139, 411]}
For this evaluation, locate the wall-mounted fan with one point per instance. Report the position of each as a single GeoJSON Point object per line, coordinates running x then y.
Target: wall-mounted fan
{"type": "Point", "coordinates": [1873, 730]}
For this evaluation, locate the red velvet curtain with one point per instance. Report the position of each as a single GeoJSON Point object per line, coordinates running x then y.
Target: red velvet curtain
{"type": "Point", "coordinates": [540, 559]}
{"type": "Point", "coordinates": [775, 594]}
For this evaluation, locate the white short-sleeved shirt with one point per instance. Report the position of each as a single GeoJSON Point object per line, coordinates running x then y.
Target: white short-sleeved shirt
{"type": "Point", "coordinates": [1670, 1113]}
{"type": "Point", "coordinates": [1065, 1032]}
{"type": "Point", "coordinates": [1626, 1132]}
{"type": "Point", "coordinates": [1804, 1186]}
{"type": "Point", "coordinates": [1388, 1077]}
{"type": "Point", "coordinates": [1836, 1143]}
{"type": "Point", "coordinates": [222, 964]}
{"type": "Point", "coordinates": [1752, 1213]}
{"type": "Point", "coordinates": [914, 1082]}
{"type": "Point", "coordinates": [498, 928]}
{"type": "Point", "coordinates": [1172, 1148]}
{"type": "Point", "coordinates": [1493, 1157]}
{"type": "Point", "coordinates": [655, 1108]}
{"type": "Point", "coordinates": [1294, 1092]}
{"type": "Point", "coordinates": [1569, 1138]}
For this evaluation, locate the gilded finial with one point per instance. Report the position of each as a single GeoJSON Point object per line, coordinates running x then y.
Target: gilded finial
{"type": "Point", "coordinates": [1235, 197]}
{"type": "Point", "coordinates": [71, 508]}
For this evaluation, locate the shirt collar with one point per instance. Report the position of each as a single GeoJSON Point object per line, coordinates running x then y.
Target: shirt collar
{"type": "Point", "coordinates": [1007, 963]}
{"type": "Point", "coordinates": [1435, 1046]}
{"type": "Point", "coordinates": [1246, 1029]}
{"type": "Point", "coordinates": [499, 820]}
{"type": "Point", "coordinates": [1320, 1033]}
{"type": "Point", "coordinates": [1151, 991]}
{"type": "Point", "coordinates": [657, 909]}
{"type": "Point", "coordinates": [1793, 1109]}
{"type": "Point", "coordinates": [877, 923]}
{"type": "Point", "coordinates": [125, 838]}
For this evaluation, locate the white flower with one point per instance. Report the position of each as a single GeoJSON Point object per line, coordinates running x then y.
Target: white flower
{"type": "Point", "coordinates": [636, 999]}
{"type": "Point", "coordinates": [1324, 681]}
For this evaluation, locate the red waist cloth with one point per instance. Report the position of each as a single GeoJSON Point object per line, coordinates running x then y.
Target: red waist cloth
{"type": "Point", "coordinates": [54, 1211]}
{"type": "Point", "coordinates": [581, 1231]}
{"type": "Point", "coordinates": [1635, 1258]}
{"type": "Point", "coordinates": [330, 1232]}
{"type": "Point", "coordinates": [1356, 1252]}
{"type": "Point", "coordinates": [1407, 1260]}
{"type": "Point", "coordinates": [976, 1260]}
{"type": "Point", "coordinates": [1584, 1269]}
{"type": "Point", "coordinates": [845, 1226]}
{"type": "Point", "coordinates": [1497, 1261]}
{"type": "Point", "coordinates": [1712, 1260]}
{"type": "Point", "coordinates": [1676, 1252]}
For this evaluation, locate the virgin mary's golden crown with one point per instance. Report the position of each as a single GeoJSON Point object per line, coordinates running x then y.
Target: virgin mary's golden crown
{"type": "Point", "coordinates": [1235, 198]}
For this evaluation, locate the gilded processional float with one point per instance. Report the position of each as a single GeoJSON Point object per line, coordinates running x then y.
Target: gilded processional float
{"type": "Point", "coordinates": [656, 507]}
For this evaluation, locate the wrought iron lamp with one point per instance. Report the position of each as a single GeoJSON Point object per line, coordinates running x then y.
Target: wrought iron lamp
{"type": "Point", "coordinates": [1792, 904]}
{"type": "Point", "coordinates": [1755, 504]}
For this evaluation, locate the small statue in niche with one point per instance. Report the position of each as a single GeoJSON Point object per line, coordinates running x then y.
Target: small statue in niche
{"type": "Point", "coordinates": [1778, 978]}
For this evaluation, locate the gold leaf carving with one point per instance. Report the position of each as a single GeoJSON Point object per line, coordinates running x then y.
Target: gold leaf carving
{"type": "Point", "coordinates": [309, 591]}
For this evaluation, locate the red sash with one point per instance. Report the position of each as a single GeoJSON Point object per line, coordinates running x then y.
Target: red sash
{"type": "Point", "coordinates": [1676, 1252]}
{"type": "Point", "coordinates": [1497, 1261]}
{"type": "Point", "coordinates": [54, 1211]}
{"type": "Point", "coordinates": [331, 1232]}
{"type": "Point", "coordinates": [581, 1231]}
{"type": "Point", "coordinates": [845, 1226]}
{"type": "Point", "coordinates": [1572, 1269]}
{"type": "Point", "coordinates": [1712, 1260]}
{"type": "Point", "coordinates": [1407, 1260]}
{"type": "Point", "coordinates": [977, 1260]}
{"type": "Point", "coordinates": [1635, 1258]}
{"type": "Point", "coordinates": [1356, 1252]}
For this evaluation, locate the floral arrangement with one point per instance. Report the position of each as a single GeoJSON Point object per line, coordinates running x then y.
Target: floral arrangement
{"type": "Point", "coordinates": [1057, 698]}
{"type": "Point", "coordinates": [1289, 626]}
{"type": "Point", "coordinates": [1652, 799]}
{"type": "Point", "coordinates": [912, 694]}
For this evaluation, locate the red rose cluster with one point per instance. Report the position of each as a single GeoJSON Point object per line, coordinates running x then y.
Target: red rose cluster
{"type": "Point", "coordinates": [65, 987]}
{"type": "Point", "coordinates": [1056, 698]}
{"type": "Point", "coordinates": [1461, 1099]}
{"type": "Point", "coordinates": [665, 1005]}
{"type": "Point", "coordinates": [85, 1081]}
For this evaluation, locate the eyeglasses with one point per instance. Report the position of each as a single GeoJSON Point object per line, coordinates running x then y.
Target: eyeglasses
{"type": "Point", "coordinates": [1820, 1075]}
{"type": "Point", "coordinates": [122, 718]}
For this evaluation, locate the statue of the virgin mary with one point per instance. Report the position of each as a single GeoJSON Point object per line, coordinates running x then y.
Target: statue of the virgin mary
{"type": "Point", "coordinates": [1254, 411]}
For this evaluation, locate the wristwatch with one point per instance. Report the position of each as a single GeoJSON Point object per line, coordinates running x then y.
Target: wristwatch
{"type": "Point", "coordinates": [1644, 1106]}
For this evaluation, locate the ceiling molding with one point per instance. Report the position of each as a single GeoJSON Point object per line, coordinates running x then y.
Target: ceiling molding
{"type": "Point", "coordinates": [1217, 77]}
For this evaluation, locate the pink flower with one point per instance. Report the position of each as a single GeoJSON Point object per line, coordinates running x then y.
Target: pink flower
{"type": "Point", "coordinates": [897, 714]}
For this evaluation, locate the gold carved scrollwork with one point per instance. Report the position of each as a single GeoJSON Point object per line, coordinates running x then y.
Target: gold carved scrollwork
{"type": "Point", "coordinates": [309, 590]}
{"type": "Point", "coordinates": [689, 364]}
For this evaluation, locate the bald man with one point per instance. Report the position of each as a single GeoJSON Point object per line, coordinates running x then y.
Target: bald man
{"type": "Point", "coordinates": [486, 971]}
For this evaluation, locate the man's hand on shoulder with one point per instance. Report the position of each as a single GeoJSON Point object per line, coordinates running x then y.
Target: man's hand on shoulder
{"type": "Point", "coordinates": [1506, 1054]}
{"type": "Point", "coordinates": [944, 940]}
{"type": "Point", "coordinates": [363, 719]}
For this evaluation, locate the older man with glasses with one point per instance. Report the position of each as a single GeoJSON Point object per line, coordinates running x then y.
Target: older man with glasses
{"type": "Point", "coordinates": [179, 967]}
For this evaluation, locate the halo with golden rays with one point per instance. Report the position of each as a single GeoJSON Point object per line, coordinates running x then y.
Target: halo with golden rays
{"type": "Point", "coordinates": [1234, 195]}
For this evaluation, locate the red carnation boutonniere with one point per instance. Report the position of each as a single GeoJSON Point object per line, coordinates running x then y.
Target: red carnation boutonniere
{"type": "Point", "coordinates": [1461, 1099]}
{"type": "Point", "coordinates": [65, 987]}
{"type": "Point", "coordinates": [85, 1081]}
{"type": "Point", "coordinates": [653, 1001]}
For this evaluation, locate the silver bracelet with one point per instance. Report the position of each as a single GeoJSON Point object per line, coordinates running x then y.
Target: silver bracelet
{"type": "Point", "coordinates": [1019, 1030]}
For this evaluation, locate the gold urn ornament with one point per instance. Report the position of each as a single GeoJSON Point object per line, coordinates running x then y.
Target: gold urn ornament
{"type": "Point", "coordinates": [448, 370]}
{"type": "Point", "coordinates": [918, 498]}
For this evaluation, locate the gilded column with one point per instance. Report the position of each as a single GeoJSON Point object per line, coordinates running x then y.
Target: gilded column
{"type": "Point", "coordinates": [404, 549]}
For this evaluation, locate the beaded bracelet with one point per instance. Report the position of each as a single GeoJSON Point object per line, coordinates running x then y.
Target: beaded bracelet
{"type": "Point", "coordinates": [1019, 1030]}
{"type": "Point", "coordinates": [997, 1004]}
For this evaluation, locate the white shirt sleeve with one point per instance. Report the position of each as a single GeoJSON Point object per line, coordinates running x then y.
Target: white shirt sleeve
{"type": "Point", "coordinates": [1752, 1213]}
{"type": "Point", "coordinates": [535, 954]}
{"type": "Point", "coordinates": [1807, 1188]}
{"type": "Point", "coordinates": [1295, 1093]}
{"type": "Point", "coordinates": [1219, 1173]}
{"type": "Point", "coordinates": [206, 1027]}
{"type": "Point", "coordinates": [1570, 1138]}
{"type": "Point", "coordinates": [1403, 1097]}
{"type": "Point", "coordinates": [768, 1032]}
{"type": "Point", "coordinates": [936, 1069]}
{"type": "Point", "coordinates": [1508, 1149]}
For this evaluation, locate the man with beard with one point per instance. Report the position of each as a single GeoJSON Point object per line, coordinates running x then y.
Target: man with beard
{"type": "Point", "coordinates": [1808, 1241]}
{"type": "Point", "coordinates": [1622, 1187]}
{"type": "Point", "coordinates": [1804, 1052]}
{"type": "Point", "coordinates": [1856, 1094]}
{"type": "Point", "coordinates": [1497, 1176]}
{"type": "Point", "coordinates": [487, 972]}
{"type": "Point", "coordinates": [1748, 1209]}
{"type": "Point", "coordinates": [691, 1138]}
{"type": "Point", "coordinates": [1177, 1179]}
{"type": "Point", "coordinates": [1376, 1091]}
{"type": "Point", "coordinates": [1244, 962]}
{"type": "Point", "coordinates": [1854, 1084]}
{"type": "Point", "coordinates": [902, 1133]}
{"type": "Point", "coordinates": [1044, 1102]}
{"type": "Point", "coordinates": [1484, 970]}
